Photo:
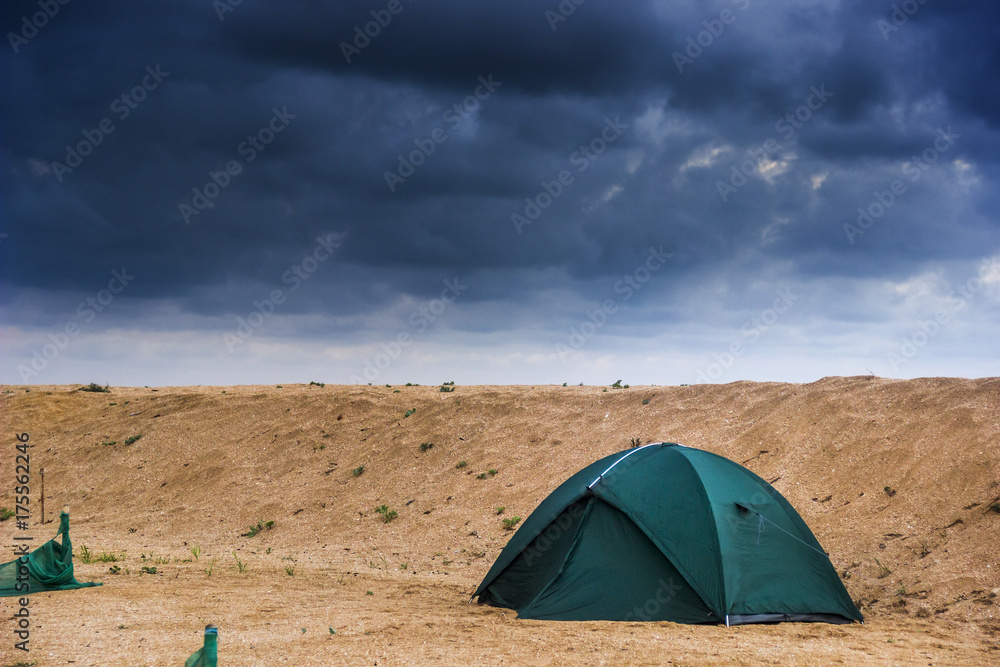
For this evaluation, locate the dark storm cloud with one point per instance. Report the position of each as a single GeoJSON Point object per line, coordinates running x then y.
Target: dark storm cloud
{"type": "Point", "coordinates": [693, 87]}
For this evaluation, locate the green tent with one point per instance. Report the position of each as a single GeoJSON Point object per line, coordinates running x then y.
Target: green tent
{"type": "Point", "coordinates": [47, 568]}
{"type": "Point", "coordinates": [665, 532]}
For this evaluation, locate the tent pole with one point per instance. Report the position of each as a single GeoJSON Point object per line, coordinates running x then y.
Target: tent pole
{"type": "Point", "coordinates": [727, 620]}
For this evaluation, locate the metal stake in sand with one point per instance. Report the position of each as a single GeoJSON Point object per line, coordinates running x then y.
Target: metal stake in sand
{"type": "Point", "coordinates": [43, 495]}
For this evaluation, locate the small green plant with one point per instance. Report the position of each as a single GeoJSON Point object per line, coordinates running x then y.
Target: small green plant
{"type": "Point", "coordinates": [96, 388]}
{"type": "Point", "coordinates": [109, 443]}
{"type": "Point", "coordinates": [85, 555]}
{"type": "Point", "coordinates": [278, 386]}
{"type": "Point", "coordinates": [290, 570]}
{"type": "Point", "coordinates": [6, 513]}
{"type": "Point", "coordinates": [196, 551]}
{"type": "Point", "coordinates": [618, 385]}
{"type": "Point", "coordinates": [461, 464]}
{"type": "Point", "coordinates": [995, 507]}
{"type": "Point", "coordinates": [636, 442]}
{"type": "Point", "coordinates": [387, 514]}
{"type": "Point", "coordinates": [114, 569]}
{"type": "Point", "coordinates": [409, 412]}
{"type": "Point", "coordinates": [317, 384]}
{"type": "Point", "coordinates": [211, 566]}
{"type": "Point", "coordinates": [241, 566]}
{"type": "Point", "coordinates": [359, 471]}
{"type": "Point", "coordinates": [403, 566]}
{"type": "Point", "coordinates": [447, 384]}
{"type": "Point", "coordinates": [645, 401]}
{"type": "Point", "coordinates": [901, 590]}
{"type": "Point", "coordinates": [332, 631]}
{"type": "Point", "coordinates": [508, 524]}
{"type": "Point", "coordinates": [369, 593]}
{"type": "Point", "coordinates": [500, 509]}
{"type": "Point", "coordinates": [259, 528]}
{"type": "Point", "coordinates": [889, 491]}
{"type": "Point", "coordinates": [925, 549]}
{"type": "Point", "coordinates": [492, 471]}
{"type": "Point", "coordinates": [564, 384]}
{"type": "Point", "coordinates": [409, 384]}
{"type": "Point", "coordinates": [883, 570]}
{"type": "Point", "coordinates": [446, 390]}
{"type": "Point", "coordinates": [148, 569]}
{"type": "Point", "coordinates": [481, 475]}
{"type": "Point", "coordinates": [132, 438]}
{"type": "Point", "coordinates": [424, 446]}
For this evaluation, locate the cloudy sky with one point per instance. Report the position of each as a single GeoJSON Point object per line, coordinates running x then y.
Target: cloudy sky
{"type": "Point", "coordinates": [516, 191]}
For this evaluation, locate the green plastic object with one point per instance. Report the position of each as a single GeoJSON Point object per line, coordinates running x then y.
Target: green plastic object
{"type": "Point", "coordinates": [207, 655]}
{"type": "Point", "coordinates": [665, 532]}
{"type": "Point", "coordinates": [47, 568]}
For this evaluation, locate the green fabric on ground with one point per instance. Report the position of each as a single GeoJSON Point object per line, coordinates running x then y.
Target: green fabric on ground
{"type": "Point", "coordinates": [47, 568]}
{"type": "Point", "coordinates": [207, 655]}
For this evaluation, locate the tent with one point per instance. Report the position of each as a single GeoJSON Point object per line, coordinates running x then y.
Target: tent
{"type": "Point", "coordinates": [208, 654]}
{"type": "Point", "coordinates": [47, 568]}
{"type": "Point", "coordinates": [665, 532]}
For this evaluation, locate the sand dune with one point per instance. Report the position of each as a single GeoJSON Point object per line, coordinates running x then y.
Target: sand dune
{"type": "Point", "coordinates": [905, 472]}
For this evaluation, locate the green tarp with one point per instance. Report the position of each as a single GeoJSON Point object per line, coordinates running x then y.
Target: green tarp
{"type": "Point", "coordinates": [207, 655]}
{"type": "Point", "coordinates": [47, 568]}
{"type": "Point", "coordinates": [667, 533]}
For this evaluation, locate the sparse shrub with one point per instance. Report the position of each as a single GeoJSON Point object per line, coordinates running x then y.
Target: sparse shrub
{"type": "Point", "coordinates": [196, 552]}
{"type": "Point", "coordinates": [564, 384]}
{"type": "Point", "coordinates": [259, 528]}
{"type": "Point", "coordinates": [636, 442]}
{"type": "Point", "coordinates": [645, 401]}
{"type": "Point", "coordinates": [883, 570]}
{"type": "Point", "coordinates": [241, 566]}
{"type": "Point", "coordinates": [481, 475]}
{"type": "Point", "coordinates": [96, 388]}
{"type": "Point", "coordinates": [114, 569]}
{"type": "Point", "coordinates": [508, 524]}
{"type": "Point", "coordinates": [320, 384]}
{"type": "Point", "coordinates": [501, 509]}
{"type": "Point", "coordinates": [148, 569]}
{"type": "Point", "coordinates": [424, 446]}
{"type": "Point", "coordinates": [290, 570]}
{"type": "Point", "coordinates": [889, 491]}
{"type": "Point", "coordinates": [132, 438]}
{"type": "Point", "coordinates": [925, 549]}
{"type": "Point", "coordinates": [461, 464]}
{"type": "Point", "coordinates": [387, 514]}
{"type": "Point", "coordinates": [409, 412]}
{"type": "Point", "coordinates": [359, 471]}
{"type": "Point", "coordinates": [447, 389]}
{"type": "Point", "coordinates": [995, 507]}
{"type": "Point", "coordinates": [109, 443]}
{"type": "Point", "coordinates": [492, 471]}
{"type": "Point", "coordinates": [6, 513]}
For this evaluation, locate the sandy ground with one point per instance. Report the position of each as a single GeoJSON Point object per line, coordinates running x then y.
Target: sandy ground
{"type": "Point", "coordinates": [896, 479]}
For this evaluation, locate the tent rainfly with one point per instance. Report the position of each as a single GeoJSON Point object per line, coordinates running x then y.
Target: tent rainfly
{"type": "Point", "coordinates": [665, 532]}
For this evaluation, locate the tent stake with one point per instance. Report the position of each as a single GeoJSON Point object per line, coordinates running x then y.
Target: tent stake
{"type": "Point", "coordinates": [43, 496]}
